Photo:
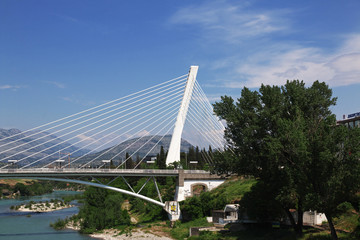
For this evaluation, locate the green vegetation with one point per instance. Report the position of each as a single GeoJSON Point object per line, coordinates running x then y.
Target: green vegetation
{"type": "Point", "coordinates": [42, 206]}
{"type": "Point", "coordinates": [102, 209]}
{"type": "Point", "coordinates": [287, 138]}
{"type": "Point", "coordinates": [230, 192]}
{"type": "Point", "coordinates": [59, 224]}
{"type": "Point", "coordinates": [149, 212]}
{"type": "Point", "coordinates": [67, 199]}
{"type": "Point", "coordinates": [33, 188]}
{"type": "Point", "coordinates": [25, 187]}
{"type": "Point", "coordinates": [263, 233]}
{"type": "Point", "coordinates": [181, 230]}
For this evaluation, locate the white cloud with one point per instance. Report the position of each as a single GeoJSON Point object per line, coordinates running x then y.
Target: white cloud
{"type": "Point", "coordinates": [262, 54]}
{"type": "Point", "coordinates": [230, 22]}
{"type": "Point", "coordinates": [142, 133]}
{"type": "Point", "coordinates": [78, 101]}
{"type": "Point", "coordinates": [83, 137]}
{"type": "Point", "coordinates": [10, 87]}
{"type": "Point", "coordinates": [56, 84]}
{"type": "Point", "coordinates": [339, 68]}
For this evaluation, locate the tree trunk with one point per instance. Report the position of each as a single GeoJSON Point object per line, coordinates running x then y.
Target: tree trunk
{"type": "Point", "coordinates": [331, 225]}
{"type": "Point", "coordinates": [300, 218]}
{"type": "Point", "coordinates": [291, 218]}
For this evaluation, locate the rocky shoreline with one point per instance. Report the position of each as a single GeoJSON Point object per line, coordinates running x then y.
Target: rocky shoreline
{"type": "Point", "coordinates": [42, 206]}
{"type": "Point", "coordinates": [115, 234]}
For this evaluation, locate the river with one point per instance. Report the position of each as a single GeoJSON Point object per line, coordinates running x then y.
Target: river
{"type": "Point", "coordinates": [36, 226]}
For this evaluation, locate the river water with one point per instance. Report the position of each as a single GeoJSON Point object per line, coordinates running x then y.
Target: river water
{"type": "Point", "coordinates": [36, 226]}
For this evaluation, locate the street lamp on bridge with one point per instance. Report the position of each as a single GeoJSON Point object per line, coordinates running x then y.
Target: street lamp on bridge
{"type": "Point", "coordinates": [13, 162]}
{"type": "Point", "coordinates": [105, 162]}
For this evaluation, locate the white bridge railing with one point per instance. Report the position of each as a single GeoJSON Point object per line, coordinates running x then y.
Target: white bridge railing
{"type": "Point", "coordinates": [89, 171]}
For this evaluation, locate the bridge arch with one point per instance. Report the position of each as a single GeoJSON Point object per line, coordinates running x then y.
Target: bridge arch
{"type": "Point", "coordinates": [99, 186]}
{"type": "Point", "coordinates": [204, 185]}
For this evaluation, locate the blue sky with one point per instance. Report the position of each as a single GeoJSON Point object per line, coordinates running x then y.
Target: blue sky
{"type": "Point", "coordinates": [61, 57]}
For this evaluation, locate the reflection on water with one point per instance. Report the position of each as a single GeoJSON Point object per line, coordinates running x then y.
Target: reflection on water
{"type": "Point", "coordinates": [31, 225]}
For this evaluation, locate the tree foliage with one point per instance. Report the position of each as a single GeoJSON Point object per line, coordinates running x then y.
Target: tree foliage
{"type": "Point", "coordinates": [129, 164]}
{"type": "Point", "coordinates": [161, 159]}
{"type": "Point", "coordinates": [287, 137]}
{"type": "Point", "coordinates": [102, 209]}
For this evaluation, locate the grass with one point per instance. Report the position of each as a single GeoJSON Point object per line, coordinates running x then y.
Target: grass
{"type": "Point", "coordinates": [13, 182]}
{"type": "Point", "coordinates": [258, 233]}
{"type": "Point", "coordinates": [234, 188]}
{"type": "Point", "coordinates": [181, 230]}
{"type": "Point", "coordinates": [347, 221]}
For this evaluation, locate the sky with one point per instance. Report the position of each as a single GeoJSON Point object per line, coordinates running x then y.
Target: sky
{"type": "Point", "coordinates": [61, 57]}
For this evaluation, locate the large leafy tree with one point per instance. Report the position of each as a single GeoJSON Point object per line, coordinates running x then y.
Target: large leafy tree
{"type": "Point", "coordinates": [286, 137]}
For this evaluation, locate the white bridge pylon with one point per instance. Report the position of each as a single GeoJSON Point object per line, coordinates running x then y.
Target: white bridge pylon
{"type": "Point", "coordinates": [120, 130]}
{"type": "Point", "coordinates": [175, 144]}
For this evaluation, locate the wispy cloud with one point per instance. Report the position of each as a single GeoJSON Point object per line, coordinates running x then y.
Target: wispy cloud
{"type": "Point", "coordinates": [93, 26]}
{"type": "Point", "coordinates": [11, 87]}
{"type": "Point", "coordinates": [68, 18]}
{"type": "Point", "coordinates": [56, 84]}
{"type": "Point", "coordinates": [231, 22]}
{"type": "Point", "coordinates": [272, 59]}
{"type": "Point", "coordinates": [78, 101]}
{"type": "Point", "coordinates": [275, 66]}
{"type": "Point", "coordinates": [86, 138]}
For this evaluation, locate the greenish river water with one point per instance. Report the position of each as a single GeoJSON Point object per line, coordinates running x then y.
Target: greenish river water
{"type": "Point", "coordinates": [30, 226]}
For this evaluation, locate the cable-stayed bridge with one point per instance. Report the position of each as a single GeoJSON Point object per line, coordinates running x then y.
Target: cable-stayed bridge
{"type": "Point", "coordinates": [85, 144]}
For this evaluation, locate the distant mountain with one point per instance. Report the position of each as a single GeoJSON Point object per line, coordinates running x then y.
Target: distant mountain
{"type": "Point", "coordinates": [130, 146]}
{"type": "Point", "coordinates": [25, 140]}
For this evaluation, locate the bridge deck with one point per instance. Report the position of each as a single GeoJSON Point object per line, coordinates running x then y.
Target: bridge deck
{"type": "Point", "coordinates": [74, 172]}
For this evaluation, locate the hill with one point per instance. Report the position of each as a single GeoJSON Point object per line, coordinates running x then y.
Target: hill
{"type": "Point", "coordinates": [26, 141]}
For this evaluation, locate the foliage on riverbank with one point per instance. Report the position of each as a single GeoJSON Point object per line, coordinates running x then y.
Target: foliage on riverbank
{"type": "Point", "coordinates": [102, 209]}
{"type": "Point", "coordinates": [148, 212]}
{"type": "Point", "coordinates": [59, 224]}
{"type": "Point", "coordinates": [11, 188]}
{"type": "Point", "coordinates": [229, 192]}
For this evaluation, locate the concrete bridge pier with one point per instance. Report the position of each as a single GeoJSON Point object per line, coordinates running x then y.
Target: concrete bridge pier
{"type": "Point", "coordinates": [184, 188]}
{"type": "Point", "coordinates": [173, 210]}
{"type": "Point", "coordinates": [187, 181]}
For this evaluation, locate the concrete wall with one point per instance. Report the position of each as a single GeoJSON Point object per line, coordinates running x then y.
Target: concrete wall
{"type": "Point", "coordinates": [185, 191]}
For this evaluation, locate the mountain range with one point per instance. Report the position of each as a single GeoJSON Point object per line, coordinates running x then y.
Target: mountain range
{"type": "Point", "coordinates": [26, 145]}
{"type": "Point", "coordinates": [131, 147]}
{"type": "Point", "coordinates": [44, 143]}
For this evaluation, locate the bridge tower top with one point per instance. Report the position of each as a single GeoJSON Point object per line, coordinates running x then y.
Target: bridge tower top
{"type": "Point", "coordinates": [175, 144]}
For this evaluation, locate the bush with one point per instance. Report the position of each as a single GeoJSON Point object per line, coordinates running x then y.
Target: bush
{"type": "Point", "coordinates": [59, 224]}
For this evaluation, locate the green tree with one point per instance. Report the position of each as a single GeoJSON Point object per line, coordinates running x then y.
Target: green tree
{"type": "Point", "coordinates": [191, 157]}
{"type": "Point", "coordinates": [129, 164]}
{"type": "Point", "coordinates": [286, 137]}
{"type": "Point", "coordinates": [102, 209]}
{"type": "Point", "coordinates": [161, 159]}
{"type": "Point", "coordinates": [23, 189]}
{"type": "Point", "coordinates": [334, 173]}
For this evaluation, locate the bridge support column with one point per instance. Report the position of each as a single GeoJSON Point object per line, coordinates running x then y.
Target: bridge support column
{"type": "Point", "coordinates": [175, 144]}
{"type": "Point", "coordinates": [179, 191]}
{"type": "Point", "coordinates": [173, 210]}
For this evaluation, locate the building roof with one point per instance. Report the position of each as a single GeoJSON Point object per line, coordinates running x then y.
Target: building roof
{"type": "Point", "coordinates": [231, 208]}
{"type": "Point", "coordinates": [343, 121]}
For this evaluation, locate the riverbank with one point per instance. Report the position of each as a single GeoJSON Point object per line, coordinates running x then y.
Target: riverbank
{"type": "Point", "coordinates": [114, 234]}
{"type": "Point", "coordinates": [53, 205]}
{"type": "Point", "coordinates": [146, 233]}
